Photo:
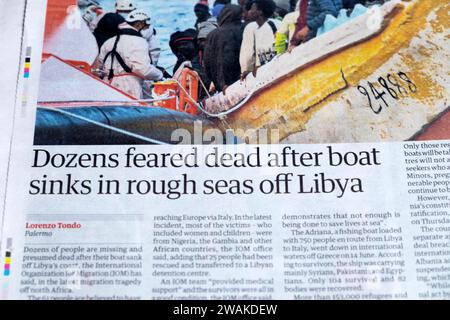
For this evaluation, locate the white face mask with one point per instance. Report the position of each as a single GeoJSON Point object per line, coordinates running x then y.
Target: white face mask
{"type": "Point", "coordinates": [147, 33]}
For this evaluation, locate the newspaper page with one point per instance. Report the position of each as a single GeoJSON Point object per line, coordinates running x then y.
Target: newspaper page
{"type": "Point", "coordinates": [13, 34]}
{"type": "Point", "coordinates": [320, 173]}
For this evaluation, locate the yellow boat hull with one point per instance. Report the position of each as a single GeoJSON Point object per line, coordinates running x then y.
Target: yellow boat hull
{"type": "Point", "coordinates": [323, 103]}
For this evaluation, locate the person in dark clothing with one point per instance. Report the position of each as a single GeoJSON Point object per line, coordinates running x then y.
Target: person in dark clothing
{"type": "Point", "coordinates": [317, 11]}
{"type": "Point", "coordinates": [293, 4]}
{"type": "Point", "coordinates": [202, 13]}
{"type": "Point", "coordinates": [309, 23]}
{"type": "Point", "coordinates": [245, 8]}
{"type": "Point", "coordinates": [108, 27]}
{"type": "Point", "coordinates": [221, 58]}
{"type": "Point", "coordinates": [297, 39]}
{"type": "Point", "coordinates": [225, 2]}
{"type": "Point", "coordinates": [182, 44]}
{"type": "Point", "coordinates": [350, 4]}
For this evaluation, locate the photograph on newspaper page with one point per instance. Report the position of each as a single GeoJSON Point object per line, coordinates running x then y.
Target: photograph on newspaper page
{"type": "Point", "coordinates": [372, 71]}
{"type": "Point", "coordinates": [230, 150]}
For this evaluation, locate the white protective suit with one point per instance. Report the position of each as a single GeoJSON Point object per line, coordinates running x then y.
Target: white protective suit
{"type": "Point", "coordinates": [134, 52]}
{"type": "Point", "coordinates": [154, 45]}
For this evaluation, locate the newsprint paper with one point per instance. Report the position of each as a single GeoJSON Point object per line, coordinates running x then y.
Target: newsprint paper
{"type": "Point", "coordinates": [320, 172]}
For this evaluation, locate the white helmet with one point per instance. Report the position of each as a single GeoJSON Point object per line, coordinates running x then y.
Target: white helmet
{"type": "Point", "coordinates": [125, 5]}
{"type": "Point", "coordinates": [138, 15]}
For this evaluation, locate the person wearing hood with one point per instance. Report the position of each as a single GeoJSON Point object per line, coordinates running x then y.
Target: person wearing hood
{"type": "Point", "coordinates": [204, 30]}
{"type": "Point", "coordinates": [182, 44]}
{"type": "Point", "coordinates": [125, 60]}
{"type": "Point", "coordinates": [218, 7]}
{"type": "Point", "coordinates": [221, 57]}
{"type": "Point", "coordinates": [107, 27]}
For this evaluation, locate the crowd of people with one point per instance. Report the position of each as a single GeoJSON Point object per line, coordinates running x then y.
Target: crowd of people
{"type": "Point", "coordinates": [227, 42]}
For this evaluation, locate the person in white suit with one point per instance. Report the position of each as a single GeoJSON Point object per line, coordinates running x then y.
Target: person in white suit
{"type": "Point", "coordinates": [125, 60]}
{"type": "Point", "coordinates": [95, 13]}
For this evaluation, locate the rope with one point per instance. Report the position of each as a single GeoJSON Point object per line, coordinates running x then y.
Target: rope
{"type": "Point", "coordinates": [203, 85]}
{"type": "Point", "coordinates": [105, 126]}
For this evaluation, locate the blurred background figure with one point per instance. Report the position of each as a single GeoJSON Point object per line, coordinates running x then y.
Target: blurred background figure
{"type": "Point", "coordinates": [201, 10]}
{"type": "Point", "coordinates": [218, 7]}
{"type": "Point", "coordinates": [283, 8]}
{"type": "Point", "coordinates": [286, 30]}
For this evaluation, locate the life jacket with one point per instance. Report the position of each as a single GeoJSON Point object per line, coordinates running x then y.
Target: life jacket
{"type": "Point", "coordinates": [115, 55]}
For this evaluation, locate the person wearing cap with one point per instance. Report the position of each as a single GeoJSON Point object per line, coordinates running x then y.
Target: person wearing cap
{"type": "Point", "coordinates": [149, 34]}
{"type": "Point", "coordinates": [182, 44]}
{"type": "Point", "coordinates": [92, 15]}
{"type": "Point", "coordinates": [125, 59]}
{"type": "Point", "coordinates": [124, 8]}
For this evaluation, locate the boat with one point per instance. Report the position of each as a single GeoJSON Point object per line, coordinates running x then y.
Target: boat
{"type": "Point", "coordinates": [75, 107]}
{"type": "Point", "coordinates": [380, 74]}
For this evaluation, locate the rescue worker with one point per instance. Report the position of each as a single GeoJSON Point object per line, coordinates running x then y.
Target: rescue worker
{"type": "Point", "coordinates": [124, 8]}
{"type": "Point", "coordinates": [149, 34]}
{"type": "Point", "coordinates": [124, 58]}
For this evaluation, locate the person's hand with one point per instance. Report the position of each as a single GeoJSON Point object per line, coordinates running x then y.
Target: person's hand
{"type": "Point", "coordinates": [224, 89]}
{"type": "Point", "coordinates": [302, 34]}
{"type": "Point", "coordinates": [244, 75]}
{"type": "Point", "coordinates": [212, 87]}
{"type": "Point", "coordinates": [254, 71]}
{"type": "Point", "coordinates": [291, 47]}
